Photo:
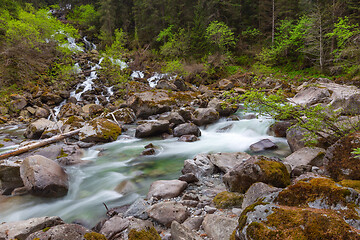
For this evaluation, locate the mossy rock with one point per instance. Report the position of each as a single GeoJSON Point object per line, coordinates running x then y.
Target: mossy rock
{"type": "Point", "coordinates": [148, 234]}
{"type": "Point", "coordinates": [341, 162]}
{"type": "Point", "coordinates": [256, 169]}
{"type": "Point", "coordinates": [94, 236]}
{"type": "Point", "coordinates": [301, 223]}
{"type": "Point", "coordinates": [100, 130]}
{"type": "Point", "coordinates": [228, 200]}
{"type": "Point", "coordinates": [304, 192]}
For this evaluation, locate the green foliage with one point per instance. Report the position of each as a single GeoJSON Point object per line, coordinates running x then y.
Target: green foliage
{"type": "Point", "coordinates": [320, 123]}
{"type": "Point", "coordinates": [175, 67]}
{"type": "Point", "coordinates": [114, 73]}
{"type": "Point", "coordinates": [176, 44]}
{"type": "Point", "coordinates": [33, 28]}
{"type": "Point", "coordinates": [289, 40]}
{"type": "Point", "coordinates": [356, 152]}
{"type": "Point", "coordinates": [343, 31]}
{"type": "Point", "coordinates": [84, 15]}
{"type": "Point", "coordinates": [220, 36]}
{"type": "Point", "coordinates": [117, 48]}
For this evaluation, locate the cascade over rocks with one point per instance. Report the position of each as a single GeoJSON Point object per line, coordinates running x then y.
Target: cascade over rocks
{"type": "Point", "coordinates": [44, 177]}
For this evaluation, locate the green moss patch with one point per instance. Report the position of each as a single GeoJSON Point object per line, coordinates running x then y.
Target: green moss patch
{"type": "Point", "coordinates": [355, 184]}
{"type": "Point", "coordinates": [275, 173]}
{"type": "Point", "coordinates": [149, 234]}
{"type": "Point", "coordinates": [228, 199]}
{"type": "Point", "coordinates": [94, 236]}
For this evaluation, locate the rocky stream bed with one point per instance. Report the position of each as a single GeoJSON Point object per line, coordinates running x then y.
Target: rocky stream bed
{"type": "Point", "coordinates": [174, 162]}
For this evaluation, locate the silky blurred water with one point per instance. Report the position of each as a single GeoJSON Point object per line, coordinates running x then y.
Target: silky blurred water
{"type": "Point", "coordinates": [94, 184]}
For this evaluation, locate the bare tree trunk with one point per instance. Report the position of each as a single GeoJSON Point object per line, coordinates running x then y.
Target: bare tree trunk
{"type": "Point", "coordinates": [38, 144]}
{"type": "Point", "coordinates": [321, 53]}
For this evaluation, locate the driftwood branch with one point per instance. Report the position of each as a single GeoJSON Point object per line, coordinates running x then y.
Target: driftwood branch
{"type": "Point", "coordinates": [38, 144]}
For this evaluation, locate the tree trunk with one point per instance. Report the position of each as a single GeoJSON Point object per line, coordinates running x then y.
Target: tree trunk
{"type": "Point", "coordinates": [273, 23]}
{"type": "Point", "coordinates": [38, 144]}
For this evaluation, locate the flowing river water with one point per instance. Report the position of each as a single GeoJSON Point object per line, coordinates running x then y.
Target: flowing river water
{"type": "Point", "coordinates": [109, 164]}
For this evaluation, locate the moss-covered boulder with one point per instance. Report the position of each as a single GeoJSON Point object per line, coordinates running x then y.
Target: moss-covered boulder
{"type": "Point", "coordinates": [100, 130]}
{"type": "Point", "coordinates": [228, 200]}
{"type": "Point", "coordinates": [256, 169]}
{"type": "Point", "coordinates": [355, 184]}
{"type": "Point", "coordinates": [280, 222]}
{"type": "Point", "coordinates": [340, 162]}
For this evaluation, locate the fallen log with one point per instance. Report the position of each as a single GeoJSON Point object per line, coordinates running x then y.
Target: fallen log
{"type": "Point", "coordinates": [38, 144]}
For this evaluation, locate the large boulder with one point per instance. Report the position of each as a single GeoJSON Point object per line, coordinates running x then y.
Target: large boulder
{"type": "Point", "coordinates": [150, 129]}
{"type": "Point", "coordinates": [295, 138]}
{"type": "Point", "coordinates": [92, 110]}
{"type": "Point", "coordinates": [100, 130]}
{"type": "Point", "coordinates": [340, 162]}
{"type": "Point", "coordinates": [227, 161]}
{"type": "Point", "coordinates": [36, 129]}
{"type": "Point", "coordinates": [306, 156]}
{"type": "Point", "coordinates": [224, 108]}
{"type": "Point", "coordinates": [278, 129]}
{"type": "Point", "coordinates": [149, 103]}
{"type": "Point", "coordinates": [165, 84]}
{"type": "Point", "coordinates": [123, 115]}
{"type": "Point", "coordinates": [70, 109]}
{"type": "Point", "coordinates": [22, 229]}
{"type": "Point", "coordinates": [173, 117]}
{"type": "Point", "coordinates": [163, 189]}
{"type": "Point", "coordinates": [9, 176]}
{"type": "Point", "coordinates": [167, 212]}
{"type": "Point", "coordinates": [44, 177]}
{"type": "Point", "coordinates": [203, 116]}
{"type": "Point", "coordinates": [187, 129]}
{"type": "Point", "coordinates": [311, 95]}
{"type": "Point", "coordinates": [18, 104]}
{"type": "Point", "coordinates": [65, 231]}
{"type": "Point", "coordinates": [200, 166]}
{"type": "Point", "coordinates": [219, 227]}
{"type": "Point", "coordinates": [50, 98]}
{"type": "Point", "coordinates": [256, 169]}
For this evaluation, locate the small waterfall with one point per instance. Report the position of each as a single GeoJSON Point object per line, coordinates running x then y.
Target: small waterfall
{"type": "Point", "coordinates": [88, 45]}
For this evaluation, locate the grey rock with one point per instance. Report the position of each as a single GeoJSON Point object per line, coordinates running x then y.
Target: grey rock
{"type": "Point", "coordinates": [173, 117]}
{"type": "Point", "coordinates": [279, 129]}
{"type": "Point", "coordinates": [114, 226]}
{"type": "Point", "coordinates": [219, 227]}
{"type": "Point", "coordinates": [187, 129]}
{"type": "Point", "coordinates": [36, 129]}
{"type": "Point", "coordinates": [193, 223]}
{"type": "Point", "coordinates": [265, 144]}
{"type": "Point", "coordinates": [294, 137]}
{"type": "Point", "coordinates": [9, 176]}
{"type": "Point", "coordinates": [306, 156]}
{"type": "Point", "coordinates": [22, 229]}
{"type": "Point", "coordinates": [180, 232]}
{"type": "Point", "coordinates": [165, 84]}
{"type": "Point", "coordinates": [125, 187]}
{"type": "Point", "coordinates": [311, 95]}
{"type": "Point", "coordinates": [200, 166]}
{"type": "Point", "coordinates": [209, 209]}
{"type": "Point", "coordinates": [224, 108]}
{"type": "Point", "coordinates": [61, 232]}
{"type": "Point", "coordinates": [167, 212]}
{"type": "Point", "coordinates": [204, 116]}
{"type": "Point", "coordinates": [123, 115]}
{"type": "Point", "coordinates": [44, 177]}
{"type": "Point", "coordinates": [164, 189]}
{"type": "Point", "coordinates": [189, 178]}
{"type": "Point", "coordinates": [70, 109]}
{"type": "Point", "coordinates": [138, 209]}
{"type": "Point", "coordinates": [227, 161]}
{"type": "Point", "coordinates": [41, 112]}
{"type": "Point", "coordinates": [150, 129]}
{"type": "Point", "coordinates": [300, 170]}
{"type": "Point", "coordinates": [256, 191]}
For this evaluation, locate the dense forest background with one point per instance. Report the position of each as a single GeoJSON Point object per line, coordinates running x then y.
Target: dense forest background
{"type": "Point", "coordinates": [203, 38]}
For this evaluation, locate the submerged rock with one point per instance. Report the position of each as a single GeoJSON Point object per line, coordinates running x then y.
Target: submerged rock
{"type": "Point", "coordinates": [265, 144]}
{"type": "Point", "coordinates": [44, 177]}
